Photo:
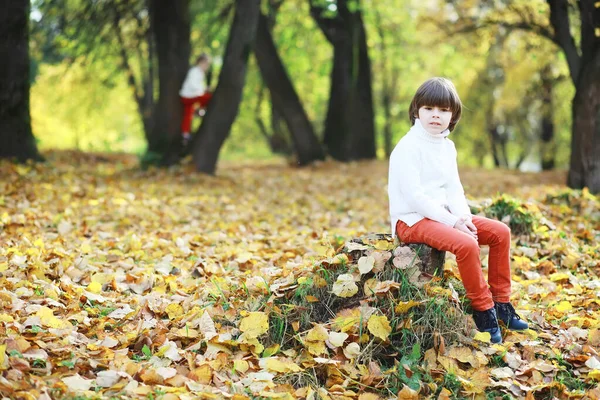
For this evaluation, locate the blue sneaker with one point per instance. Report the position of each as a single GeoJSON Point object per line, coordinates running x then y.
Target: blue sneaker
{"type": "Point", "coordinates": [487, 321]}
{"type": "Point", "coordinates": [507, 314]}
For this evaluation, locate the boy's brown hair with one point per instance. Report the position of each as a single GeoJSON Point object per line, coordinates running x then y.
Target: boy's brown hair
{"type": "Point", "coordinates": [438, 92]}
{"type": "Point", "coordinates": [202, 57]}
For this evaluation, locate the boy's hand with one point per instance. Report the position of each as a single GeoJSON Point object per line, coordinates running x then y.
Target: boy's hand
{"type": "Point", "coordinates": [463, 225]}
{"type": "Point", "coordinates": [471, 226]}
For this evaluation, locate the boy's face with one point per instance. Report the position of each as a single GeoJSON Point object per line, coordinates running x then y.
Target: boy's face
{"type": "Point", "coordinates": [204, 64]}
{"type": "Point", "coordinates": [435, 119]}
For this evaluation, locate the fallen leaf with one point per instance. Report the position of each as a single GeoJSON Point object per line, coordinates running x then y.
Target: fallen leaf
{"type": "Point", "coordinates": [77, 383]}
{"type": "Point", "coordinates": [255, 324]}
{"type": "Point", "coordinates": [337, 338]}
{"type": "Point", "coordinates": [379, 326]}
{"type": "Point", "coordinates": [408, 394]}
{"type": "Point", "coordinates": [366, 264]}
{"type": "Point", "coordinates": [352, 350]}
{"type": "Point", "coordinates": [344, 286]}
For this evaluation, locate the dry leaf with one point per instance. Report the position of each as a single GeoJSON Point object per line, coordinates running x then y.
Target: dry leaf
{"type": "Point", "coordinates": [379, 326]}
{"type": "Point", "coordinates": [344, 286]}
{"type": "Point", "coordinates": [366, 264]}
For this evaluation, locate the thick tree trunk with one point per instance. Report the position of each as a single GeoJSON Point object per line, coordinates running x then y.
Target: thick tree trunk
{"type": "Point", "coordinates": [349, 127]}
{"type": "Point", "coordinates": [225, 103]}
{"type": "Point", "coordinates": [170, 23]}
{"type": "Point", "coordinates": [584, 169]}
{"type": "Point", "coordinates": [306, 145]}
{"type": "Point", "coordinates": [16, 138]}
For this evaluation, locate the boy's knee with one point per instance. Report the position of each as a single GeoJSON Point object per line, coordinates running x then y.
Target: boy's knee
{"type": "Point", "coordinates": [503, 232]}
{"type": "Point", "coordinates": [468, 246]}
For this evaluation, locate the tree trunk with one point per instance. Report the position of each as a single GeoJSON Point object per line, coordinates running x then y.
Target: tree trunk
{"type": "Point", "coordinates": [224, 105]}
{"type": "Point", "coordinates": [349, 127]}
{"type": "Point", "coordinates": [584, 169]}
{"type": "Point", "coordinates": [283, 94]}
{"type": "Point", "coordinates": [547, 144]}
{"type": "Point", "coordinates": [16, 138]}
{"type": "Point", "coordinates": [279, 141]}
{"type": "Point", "coordinates": [170, 22]}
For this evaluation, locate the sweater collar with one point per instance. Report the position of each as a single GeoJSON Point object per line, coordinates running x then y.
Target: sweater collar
{"type": "Point", "coordinates": [421, 132]}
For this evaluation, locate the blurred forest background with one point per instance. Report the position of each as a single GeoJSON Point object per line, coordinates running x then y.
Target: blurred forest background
{"type": "Point", "coordinates": [103, 77]}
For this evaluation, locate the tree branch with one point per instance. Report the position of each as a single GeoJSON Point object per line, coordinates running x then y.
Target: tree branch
{"type": "Point", "coordinates": [559, 18]}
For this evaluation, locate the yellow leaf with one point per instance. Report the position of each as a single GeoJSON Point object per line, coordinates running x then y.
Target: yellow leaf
{"type": "Point", "coordinates": [241, 366]}
{"type": "Point", "coordinates": [344, 286]}
{"type": "Point", "coordinates": [48, 319]}
{"type": "Point", "coordinates": [276, 395]}
{"type": "Point", "coordinates": [316, 348]}
{"type": "Point", "coordinates": [485, 337]}
{"type": "Point", "coordinates": [255, 324]}
{"type": "Point", "coordinates": [302, 280]}
{"type": "Point", "coordinates": [3, 359]}
{"type": "Point", "coordinates": [340, 259]}
{"type": "Point", "coordinates": [404, 306]}
{"type": "Point", "coordinates": [187, 333]}
{"type": "Point", "coordinates": [271, 350]}
{"type": "Point", "coordinates": [202, 374]}
{"type": "Point", "coordinates": [94, 287]}
{"type": "Point", "coordinates": [315, 340]}
{"type": "Point", "coordinates": [274, 364]}
{"type": "Point", "coordinates": [347, 323]}
{"type": "Point", "coordinates": [464, 355]}
{"type": "Point", "coordinates": [478, 381]}
{"type": "Point", "coordinates": [384, 245]}
{"type": "Point", "coordinates": [564, 306]}
{"type": "Point", "coordinates": [594, 374]}
{"type": "Point", "coordinates": [174, 310]}
{"type": "Point", "coordinates": [559, 276]}
{"type": "Point", "coordinates": [317, 333]}
{"type": "Point", "coordinates": [6, 318]}
{"type": "Point", "coordinates": [256, 346]}
{"type": "Point", "coordinates": [366, 264]}
{"type": "Point", "coordinates": [379, 326]}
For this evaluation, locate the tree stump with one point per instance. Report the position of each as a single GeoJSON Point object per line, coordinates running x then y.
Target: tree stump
{"type": "Point", "coordinates": [374, 275]}
{"type": "Point", "coordinates": [432, 260]}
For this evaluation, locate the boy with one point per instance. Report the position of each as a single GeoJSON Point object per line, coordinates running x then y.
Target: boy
{"type": "Point", "coordinates": [193, 92]}
{"type": "Point", "coordinates": [428, 205]}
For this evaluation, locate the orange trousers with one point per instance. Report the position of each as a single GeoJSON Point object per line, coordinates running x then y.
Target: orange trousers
{"type": "Point", "coordinates": [489, 232]}
{"type": "Point", "coordinates": [189, 104]}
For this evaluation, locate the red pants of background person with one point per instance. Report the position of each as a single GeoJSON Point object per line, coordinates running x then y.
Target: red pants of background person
{"type": "Point", "coordinates": [189, 105]}
{"type": "Point", "coordinates": [489, 232]}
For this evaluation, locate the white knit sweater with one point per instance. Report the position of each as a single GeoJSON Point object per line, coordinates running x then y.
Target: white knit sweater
{"type": "Point", "coordinates": [423, 179]}
{"type": "Point", "coordinates": [194, 84]}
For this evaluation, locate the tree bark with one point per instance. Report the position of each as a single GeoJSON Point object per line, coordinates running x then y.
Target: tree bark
{"type": "Point", "coordinates": [305, 142]}
{"type": "Point", "coordinates": [349, 127]}
{"type": "Point", "coordinates": [16, 138]}
{"type": "Point", "coordinates": [279, 141]}
{"type": "Point", "coordinates": [224, 105]}
{"type": "Point", "coordinates": [584, 168]}
{"type": "Point", "coordinates": [170, 23]}
{"type": "Point", "coordinates": [547, 142]}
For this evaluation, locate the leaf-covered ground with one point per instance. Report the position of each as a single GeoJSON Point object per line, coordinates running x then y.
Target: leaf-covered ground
{"type": "Point", "coordinates": [121, 283]}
